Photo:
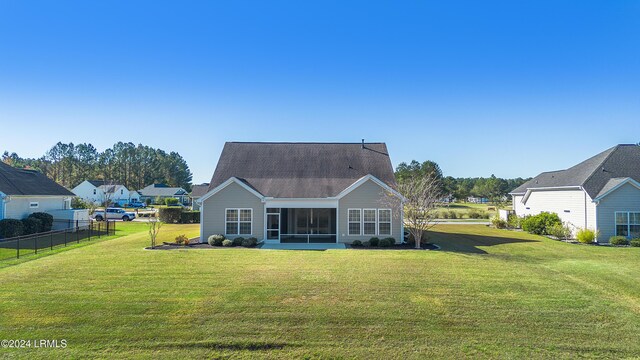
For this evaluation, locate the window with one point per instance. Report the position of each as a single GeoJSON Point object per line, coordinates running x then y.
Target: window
{"type": "Point", "coordinates": [369, 221]}
{"type": "Point", "coordinates": [239, 221]}
{"type": "Point", "coordinates": [384, 221]}
{"type": "Point", "coordinates": [355, 216]}
{"type": "Point", "coordinates": [34, 205]}
{"type": "Point", "coordinates": [628, 224]}
{"type": "Point", "coordinates": [94, 191]}
{"type": "Point", "coordinates": [121, 191]}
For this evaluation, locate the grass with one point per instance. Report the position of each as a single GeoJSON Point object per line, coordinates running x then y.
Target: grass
{"type": "Point", "coordinates": [489, 293]}
{"type": "Point", "coordinates": [462, 210]}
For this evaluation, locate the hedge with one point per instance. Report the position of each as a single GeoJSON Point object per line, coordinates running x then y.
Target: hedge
{"type": "Point", "coordinates": [31, 225]}
{"type": "Point", "coordinates": [170, 215]}
{"type": "Point", "coordinates": [175, 215]}
{"type": "Point", "coordinates": [47, 220]}
{"type": "Point", "coordinates": [190, 217]}
{"type": "Point", "coordinates": [11, 228]}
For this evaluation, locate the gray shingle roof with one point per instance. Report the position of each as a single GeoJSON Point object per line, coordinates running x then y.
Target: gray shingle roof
{"type": "Point", "coordinates": [28, 182]}
{"type": "Point", "coordinates": [302, 170]}
{"type": "Point", "coordinates": [161, 190]}
{"type": "Point", "coordinates": [593, 174]}
{"type": "Point", "coordinates": [199, 190]}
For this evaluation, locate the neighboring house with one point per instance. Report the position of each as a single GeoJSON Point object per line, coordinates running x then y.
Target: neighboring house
{"type": "Point", "coordinates": [162, 191]}
{"type": "Point", "coordinates": [196, 193]}
{"type": "Point", "coordinates": [303, 193]}
{"type": "Point", "coordinates": [23, 192]}
{"type": "Point", "coordinates": [98, 191]}
{"type": "Point", "coordinates": [477, 200]}
{"type": "Point", "coordinates": [601, 193]}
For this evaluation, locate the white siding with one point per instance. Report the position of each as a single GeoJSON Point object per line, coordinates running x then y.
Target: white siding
{"type": "Point", "coordinates": [571, 205]}
{"type": "Point", "coordinates": [518, 206]}
{"type": "Point", "coordinates": [366, 196]}
{"type": "Point", "coordinates": [18, 206]}
{"type": "Point", "coordinates": [232, 196]}
{"type": "Point", "coordinates": [625, 198]}
{"type": "Point", "coordinates": [85, 191]}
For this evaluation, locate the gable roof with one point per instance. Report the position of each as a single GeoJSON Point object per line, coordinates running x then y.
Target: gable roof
{"type": "Point", "coordinates": [154, 190]}
{"type": "Point", "coordinates": [302, 170]}
{"type": "Point", "coordinates": [96, 183]}
{"type": "Point", "coordinates": [592, 174]}
{"type": "Point", "coordinates": [15, 181]}
{"type": "Point", "coordinates": [199, 190]}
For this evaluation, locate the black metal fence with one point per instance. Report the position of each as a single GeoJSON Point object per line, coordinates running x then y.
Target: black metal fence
{"type": "Point", "coordinates": [76, 231]}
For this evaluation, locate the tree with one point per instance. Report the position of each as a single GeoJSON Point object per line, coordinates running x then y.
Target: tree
{"type": "Point", "coordinates": [421, 192]}
{"type": "Point", "coordinates": [154, 226]}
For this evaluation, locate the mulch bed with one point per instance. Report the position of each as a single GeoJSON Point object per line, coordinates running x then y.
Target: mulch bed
{"type": "Point", "coordinates": [424, 246]}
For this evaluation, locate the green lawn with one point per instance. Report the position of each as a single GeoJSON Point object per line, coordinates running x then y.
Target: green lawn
{"type": "Point", "coordinates": [489, 293]}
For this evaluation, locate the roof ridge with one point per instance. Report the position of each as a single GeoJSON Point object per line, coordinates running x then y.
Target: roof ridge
{"type": "Point", "coordinates": [615, 148]}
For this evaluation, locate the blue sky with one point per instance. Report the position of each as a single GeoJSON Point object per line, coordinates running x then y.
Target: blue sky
{"type": "Point", "coordinates": [482, 87]}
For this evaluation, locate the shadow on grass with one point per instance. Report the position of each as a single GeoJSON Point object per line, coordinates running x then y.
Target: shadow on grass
{"type": "Point", "coordinates": [217, 345]}
{"type": "Point", "coordinates": [468, 243]}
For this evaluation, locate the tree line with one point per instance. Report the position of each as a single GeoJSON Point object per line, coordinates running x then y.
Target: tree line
{"type": "Point", "coordinates": [125, 163]}
{"type": "Point", "coordinates": [492, 188]}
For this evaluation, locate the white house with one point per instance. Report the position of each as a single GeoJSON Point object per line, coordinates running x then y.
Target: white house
{"type": "Point", "coordinates": [23, 192]}
{"type": "Point", "coordinates": [601, 193]}
{"type": "Point", "coordinates": [97, 191]}
{"type": "Point", "coordinates": [303, 193]}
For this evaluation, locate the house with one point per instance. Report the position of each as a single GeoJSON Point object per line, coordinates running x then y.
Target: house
{"type": "Point", "coordinates": [303, 193]}
{"type": "Point", "coordinates": [155, 192]}
{"type": "Point", "coordinates": [196, 193]}
{"type": "Point", "coordinates": [601, 193]}
{"type": "Point", "coordinates": [23, 192]}
{"type": "Point", "coordinates": [98, 191]}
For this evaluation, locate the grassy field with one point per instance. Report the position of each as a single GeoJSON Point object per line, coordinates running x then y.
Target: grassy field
{"type": "Point", "coordinates": [489, 293]}
{"type": "Point", "coordinates": [462, 209]}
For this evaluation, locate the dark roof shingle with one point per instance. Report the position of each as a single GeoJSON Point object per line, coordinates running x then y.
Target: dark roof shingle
{"type": "Point", "coordinates": [592, 174]}
{"type": "Point", "coordinates": [302, 170]}
{"type": "Point", "coordinates": [15, 181]}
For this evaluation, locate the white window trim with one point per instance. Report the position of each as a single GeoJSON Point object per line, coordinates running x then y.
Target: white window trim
{"type": "Point", "coordinates": [349, 222]}
{"type": "Point", "coordinates": [390, 222]}
{"type": "Point", "coordinates": [628, 223]}
{"type": "Point", "coordinates": [34, 204]}
{"type": "Point", "coordinates": [237, 221]}
{"type": "Point", "coordinates": [375, 222]}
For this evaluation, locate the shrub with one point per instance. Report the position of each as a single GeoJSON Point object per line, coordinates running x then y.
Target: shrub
{"type": "Point", "coordinates": [444, 215]}
{"type": "Point", "coordinates": [227, 243]}
{"type": "Point", "coordinates": [171, 201]}
{"type": "Point", "coordinates": [514, 221]}
{"type": "Point", "coordinates": [561, 232]}
{"type": "Point", "coordinates": [250, 242]}
{"type": "Point", "coordinates": [182, 239]}
{"type": "Point", "coordinates": [356, 243]}
{"type": "Point", "coordinates": [499, 223]}
{"type": "Point", "coordinates": [392, 241]}
{"type": "Point", "coordinates": [586, 236]}
{"type": "Point", "coordinates": [216, 240]}
{"type": "Point", "coordinates": [374, 241]}
{"type": "Point", "coordinates": [147, 201]}
{"type": "Point", "coordinates": [47, 220]}
{"type": "Point", "coordinates": [31, 225]}
{"type": "Point", "coordinates": [190, 217]}
{"type": "Point", "coordinates": [540, 224]}
{"type": "Point", "coordinates": [618, 240]}
{"type": "Point", "coordinates": [79, 203]}
{"type": "Point", "coordinates": [170, 215]}
{"type": "Point", "coordinates": [475, 214]}
{"type": "Point", "coordinates": [11, 228]}
{"type": "Point", "coordinates": [384, 243]}
{"type": "Point", "coordinates": [635, 243]}
{"type": "Point", "coordinates": [238, 241]}
{"type": "Point", "coordinates": [453, 214]}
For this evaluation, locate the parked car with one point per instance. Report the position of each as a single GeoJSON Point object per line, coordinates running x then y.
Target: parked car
{"type": "Point", "coordinates": [113, 214]}
{"type": "Point", "coordinates": [137, 205]}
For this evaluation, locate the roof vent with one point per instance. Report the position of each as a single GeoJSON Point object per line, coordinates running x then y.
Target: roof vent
{"type": "Point", "coordinates": [363, 143]}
